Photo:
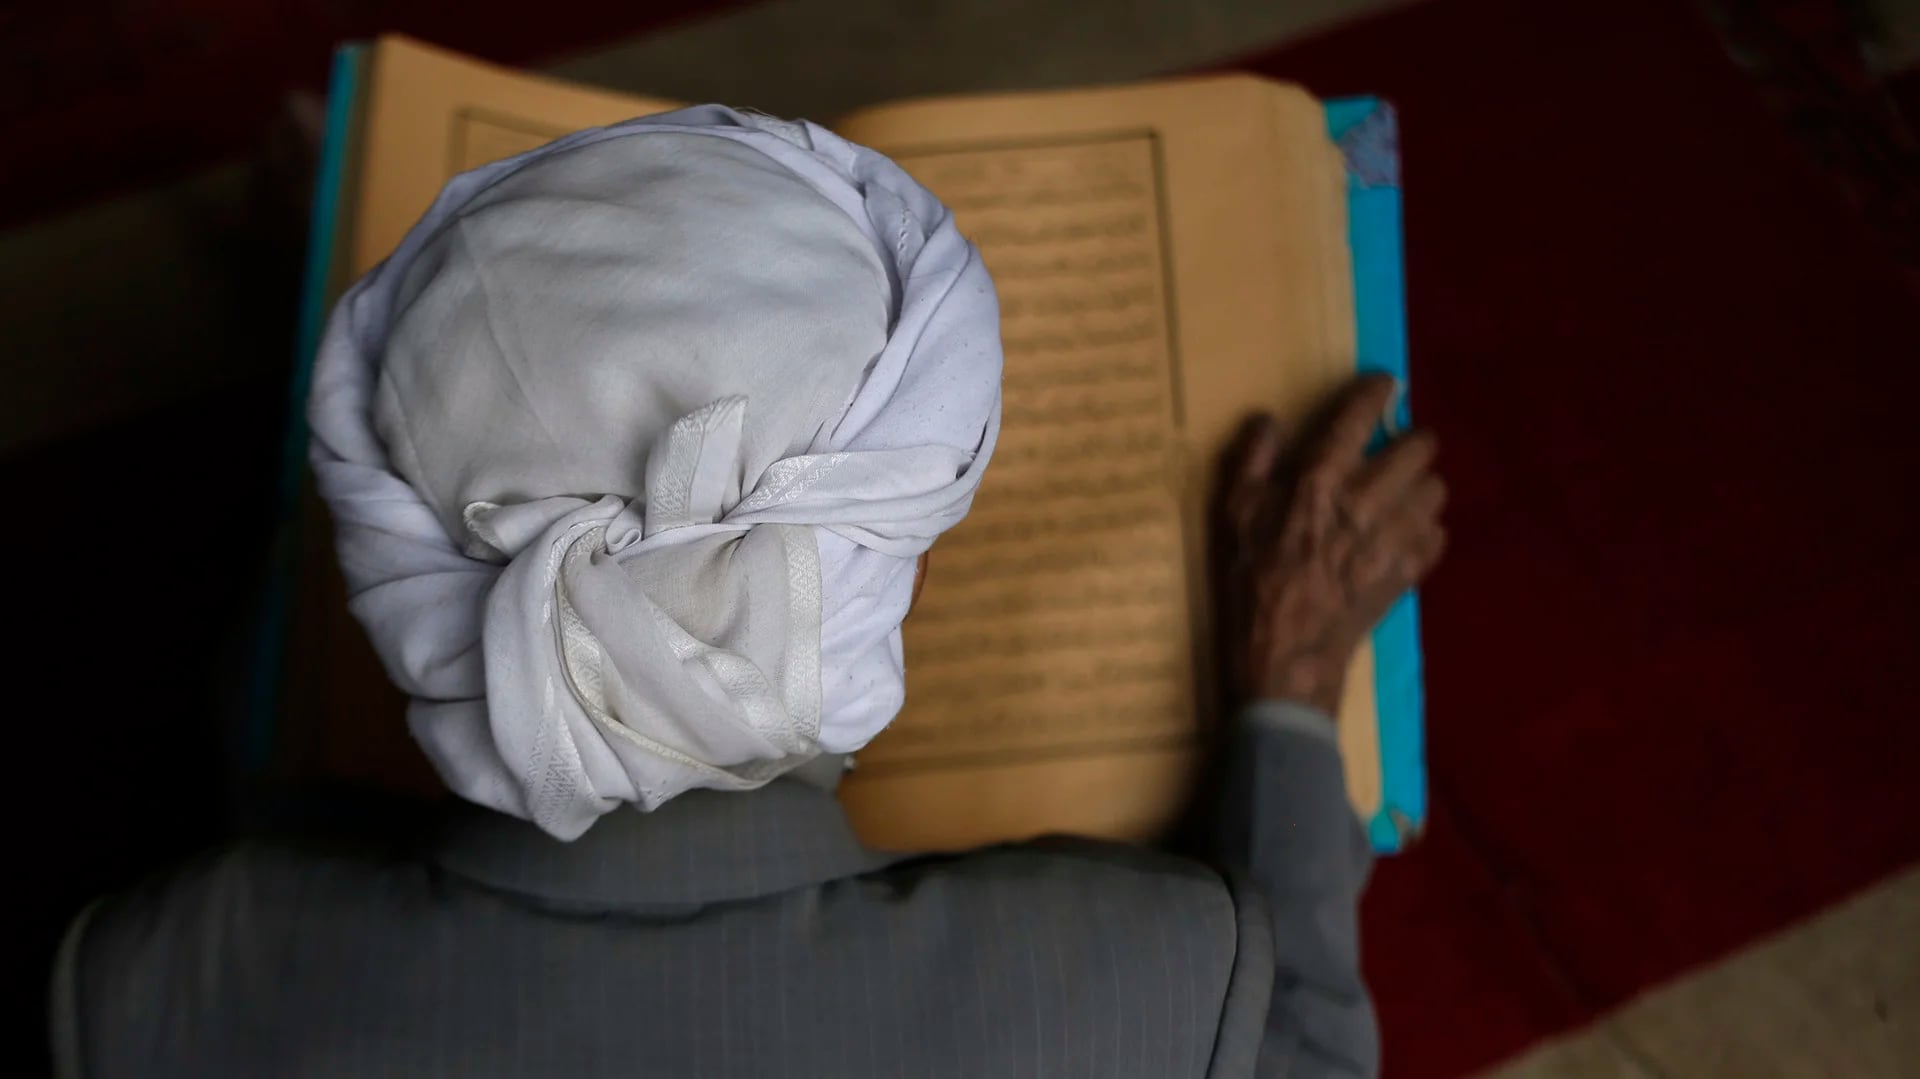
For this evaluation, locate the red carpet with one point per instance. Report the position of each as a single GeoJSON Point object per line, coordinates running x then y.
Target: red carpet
{"type": "Point", "coordinates": [1672, 704]}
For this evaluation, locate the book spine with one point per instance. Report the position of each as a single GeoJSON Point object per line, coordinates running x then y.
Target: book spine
{"type": "Point", "coordinates": [1367, 132]}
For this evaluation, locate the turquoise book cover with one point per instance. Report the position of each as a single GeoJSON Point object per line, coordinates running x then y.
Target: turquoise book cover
{"type": "Point", "coordinates": [1367, 133]}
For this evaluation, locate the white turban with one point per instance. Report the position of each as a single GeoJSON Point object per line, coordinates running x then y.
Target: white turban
{"type": "Point", "coordinates": [631, 446]}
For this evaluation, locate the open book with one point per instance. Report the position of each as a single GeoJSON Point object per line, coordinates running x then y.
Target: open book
{"type": "Point", "coordinates": [1169, 256]}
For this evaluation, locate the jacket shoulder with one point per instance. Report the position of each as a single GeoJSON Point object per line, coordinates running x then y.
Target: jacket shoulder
{"type": "Point", "coordinates": [142, 975]}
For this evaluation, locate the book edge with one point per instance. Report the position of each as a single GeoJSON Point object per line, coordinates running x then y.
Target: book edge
{"type": "Point", "coordinates": [271, 637]}
{"type": "Point", "coordinates": [1374, 235]}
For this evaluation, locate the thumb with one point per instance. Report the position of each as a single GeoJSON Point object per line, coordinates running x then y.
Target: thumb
{"type": "Point", "coordinates": [1246, 474]}
{"type": "Point", "coordinates": [1258, 450]}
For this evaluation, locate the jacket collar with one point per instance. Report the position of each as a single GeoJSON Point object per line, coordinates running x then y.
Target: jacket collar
{"type": "Point", "coordinates": [702, 847]}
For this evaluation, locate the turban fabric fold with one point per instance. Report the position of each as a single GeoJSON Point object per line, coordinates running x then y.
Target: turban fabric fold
{"type": "Point", "coordinates": [631, 445]}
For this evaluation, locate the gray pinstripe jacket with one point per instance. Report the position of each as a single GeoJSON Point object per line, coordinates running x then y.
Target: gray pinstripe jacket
{"type": "Point", "coordinates": [751, 935]}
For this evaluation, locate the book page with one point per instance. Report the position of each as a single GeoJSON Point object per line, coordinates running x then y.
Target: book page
{"type": "Point", "coordinates": [1169, 258]}
{"type": "Point", "coordinates": [432, 114]}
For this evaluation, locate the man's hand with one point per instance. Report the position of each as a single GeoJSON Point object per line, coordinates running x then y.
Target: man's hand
{"type": "Point", "coordinates": [1318, 543]}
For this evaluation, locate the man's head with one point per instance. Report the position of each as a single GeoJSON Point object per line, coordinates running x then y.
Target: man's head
{"type": "Point", "coordinates": [573, 311]}
{"type": "Point", "coordinates": [633, 446]}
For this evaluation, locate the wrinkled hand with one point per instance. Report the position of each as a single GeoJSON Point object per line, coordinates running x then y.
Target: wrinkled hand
{"type": "Point", "coordinates": [1318, 541]}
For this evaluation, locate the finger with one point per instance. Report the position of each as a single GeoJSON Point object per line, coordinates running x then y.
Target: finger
{"type": "Point", "coordinates": [1423, 554]}
{"type": "Point", "coordinates": [1387, 478]}
{"type": "Point", "coordinates": [1405, 568]}
{"type": "Point", "coordinates": [1246, 473]}
{"type": "Point", "coordinates": [1393, 572]}
{"type": "Point", "coordinates": [1355, 417]}
{"type": "Point", "coordinates": [1262, 449]}
{"type": "Point", "coordinates": [1411, 538]}
{"type": "Point", "coordinates": [1422, 504]}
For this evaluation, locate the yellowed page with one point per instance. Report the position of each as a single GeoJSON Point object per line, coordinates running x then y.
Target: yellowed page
{"type": "Point", "coordinates": [432, 114]}
{"type": "Point", "coordinates": [1169, 258]}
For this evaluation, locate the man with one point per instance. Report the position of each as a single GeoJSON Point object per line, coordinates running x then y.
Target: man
{"type": "Point", "coordinates": [635, 448]}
